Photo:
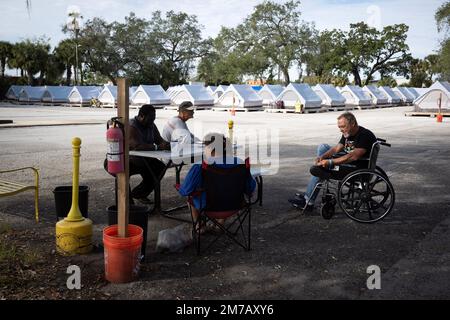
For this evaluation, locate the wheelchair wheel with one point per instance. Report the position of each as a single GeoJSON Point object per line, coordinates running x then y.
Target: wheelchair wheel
{"type": "Point", "coordinates": [378, 169]}
{"type": "Point", "coordinates": [327, 211]}
{"type": "Point", "coordinates": [366, 196]}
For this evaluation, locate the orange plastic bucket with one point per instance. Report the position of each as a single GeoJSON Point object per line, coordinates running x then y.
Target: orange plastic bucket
{"type": "Point", "coordinates": [122, 254]}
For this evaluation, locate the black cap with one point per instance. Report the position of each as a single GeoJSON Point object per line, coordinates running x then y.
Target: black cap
{"type": "Point", "coordinates": [186, 106]}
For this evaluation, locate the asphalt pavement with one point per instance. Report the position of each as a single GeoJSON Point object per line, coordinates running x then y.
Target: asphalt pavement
{"type": "Point", "coordinates": [293, 256]}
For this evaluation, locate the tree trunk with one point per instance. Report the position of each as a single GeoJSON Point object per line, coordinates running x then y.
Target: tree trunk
{"type": "Point", "coordinates": [369, 77]}
{"type": "Point", "coordinates": [30, 78]}
{"type": "Point", "coordinates": [81, 75]}
{"type": "Point", "coordinates": [3, 62]}
{"type": "Point", "coordinates": [113, 80]}
{"type": "Point", "coordinates": [285, 71]}
{"type": "Point", "coordinates": [41, 78]}
{"type": "Point", "coordinates": [68, 74]}
{"type": "Point", "coordinates": [357, 77]}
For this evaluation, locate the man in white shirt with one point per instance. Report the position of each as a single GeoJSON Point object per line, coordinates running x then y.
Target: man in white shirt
{"type": "Point", "coordinates": [175, 130]}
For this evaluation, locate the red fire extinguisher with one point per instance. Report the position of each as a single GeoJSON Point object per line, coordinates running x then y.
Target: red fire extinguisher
{"type": "Point", "coordinates": [114, 138]}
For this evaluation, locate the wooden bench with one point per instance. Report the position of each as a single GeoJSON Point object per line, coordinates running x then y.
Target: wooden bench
{"type": "Point", "coordinates": [9, 188]}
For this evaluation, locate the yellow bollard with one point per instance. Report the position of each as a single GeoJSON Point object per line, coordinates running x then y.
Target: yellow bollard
{"type": "Point", "coordinates": [230, 130]}
{"type": "Point", "coordinates": [230, 135]}
{"type": "Point", "coordinates": [74, 233]}
{"type": "Point", "coordinates": [298, 107]}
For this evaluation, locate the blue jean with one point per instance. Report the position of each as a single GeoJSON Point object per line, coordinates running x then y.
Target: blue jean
{"type": "Point", "coordinates": [309, 197]}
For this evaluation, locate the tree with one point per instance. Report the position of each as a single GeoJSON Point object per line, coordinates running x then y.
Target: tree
{"type": "Point", "coordinates": [179, 43]}
{"type": "Point", "coordinates": [5, 54]}
{"type": "Point", "coordinates": [442, 17]}
{"type": "Point", "coordinates": [28, 4]}
{"type": "Point", "coordinates": [364, 51]}
{"type": "Point", "coordinates": [32, 56]}
{"type": "Point", "coordinates": [418, 69]}
{"type": "Point", "coordinates": [423, 70]}
{"type": "Point", "coordinates": [277, 33]}
{"type": "Point", "coordinates": [55, 69]}
{"type": "Point", "coordinates": [268, 42]}
{"type": "Point", "coordinates": [444, 60]}
{"type": "Point", "coordinates": [65, 53]}
{"type": "Point", "coordinates": [101, 51]}
{"type": "Point", "coordinates": [387, 81]}
{"type": "Point", "coordinates": [323, 57]}
{"type": "Point", "coordinates": [137, 49]}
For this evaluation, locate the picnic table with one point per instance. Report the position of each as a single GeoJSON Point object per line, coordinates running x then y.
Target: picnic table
{"type": "Point", "coordinates": [178, 160]}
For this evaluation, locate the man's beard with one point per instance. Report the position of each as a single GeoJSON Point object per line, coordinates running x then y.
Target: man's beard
{"type": "Point", "coordinates": [346, 135]}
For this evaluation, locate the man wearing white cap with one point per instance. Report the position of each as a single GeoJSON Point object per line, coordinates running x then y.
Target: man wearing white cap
{"type": "Point", "coordinates": [175, 130]}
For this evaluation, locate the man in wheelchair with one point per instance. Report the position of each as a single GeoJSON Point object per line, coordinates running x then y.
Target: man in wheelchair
{"type": "Point", "coordinates": [338, 161]}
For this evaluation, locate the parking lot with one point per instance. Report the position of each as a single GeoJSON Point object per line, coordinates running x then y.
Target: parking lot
{"type": "Point", "coordinates": [293, 256]}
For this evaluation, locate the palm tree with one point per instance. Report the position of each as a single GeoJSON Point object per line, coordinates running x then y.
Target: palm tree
{"type": "Point", "coordinates": [28, 3]}
{"type": "Point", "coordinates": [5, 54]}
{"type": "Point", "coordinates": [31, 56]}
{"type": "Point", "coordinates": [65, 53]}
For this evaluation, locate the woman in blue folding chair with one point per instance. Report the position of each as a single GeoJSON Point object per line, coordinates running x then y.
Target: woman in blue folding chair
{"type": "Point", "coordinates": [217, 152]}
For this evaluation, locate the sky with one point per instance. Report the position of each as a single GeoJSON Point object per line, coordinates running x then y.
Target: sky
{"type": "Point", "coordinates": [47, 16]}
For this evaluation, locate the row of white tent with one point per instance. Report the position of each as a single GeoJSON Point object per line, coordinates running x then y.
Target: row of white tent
{"type": "Point", "coordinates": [242, 96]}
{"type": "Point", "coordinates": [82, 95]}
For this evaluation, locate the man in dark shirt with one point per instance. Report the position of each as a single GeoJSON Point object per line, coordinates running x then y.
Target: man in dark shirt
{"type": "Point", "coordinates": [338, 161]}
{"type": "Point", "coordinates": [144, 135]}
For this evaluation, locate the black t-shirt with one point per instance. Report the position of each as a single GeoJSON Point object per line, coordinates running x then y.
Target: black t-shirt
{"type": "Point", "coordinates": [364, 139]}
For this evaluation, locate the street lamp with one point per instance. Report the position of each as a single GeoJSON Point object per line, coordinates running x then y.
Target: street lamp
{"type": "Point", "coordinates": [73, 24]}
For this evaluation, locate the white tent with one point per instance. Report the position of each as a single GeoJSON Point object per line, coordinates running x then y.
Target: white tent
{"type": "Point", "coordinates": [378, 97]}
{"type": "Point", "coordinates": [329, 95]}
{"type": "Point", "coordinates": [404, 94]}
{"type": "Point", "coordinates": [13, 92]}
{"type": "Point", "coordinates": [429, 101]}
{"type": "Point", "coordinates": [239, 96]}
{"type": "Point", "coordinates": [197, 94]}
{"type": "Point", "coordinates": [83, 94]}
{"type": "Point", "coordinates": [269, 93]}
{"type": "Point", "coordinates": [421, 91]}
{"type": "Point", "coordinates": [171, 91]}
{"type": "Point", "coordinates": [31, 94]}
{"type": "Point", "coordinates": [108, 96]}
{"type": "Point", "coordinates": [218, 92]}
{"type": "Point", "coordinates": [150, 94]}
{"type": "Point", "coordinates": [392, 97]}
{"type": "Point", "coordinates": [301, 92]}
{"type": "Point", "coordinates": [211, 89]}
{"type": "Point", "coordinates": [355, 96]}
{"type": "Point", "coordinates": [413, 92]}
{"type": "Point", "coordinates": [56, 94]}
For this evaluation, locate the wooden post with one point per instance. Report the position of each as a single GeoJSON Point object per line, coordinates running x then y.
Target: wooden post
{"type": "Point", "coordinates": [123, 177]}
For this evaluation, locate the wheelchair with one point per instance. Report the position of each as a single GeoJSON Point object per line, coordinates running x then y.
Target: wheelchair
{"type": "Point", "coordinates": [364, 195]}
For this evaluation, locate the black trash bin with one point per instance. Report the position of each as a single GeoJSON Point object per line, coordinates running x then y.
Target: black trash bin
{"type": "Point", "coordinates": [138, 215]}
{"type": "Point", "coordinates": [63, 200]}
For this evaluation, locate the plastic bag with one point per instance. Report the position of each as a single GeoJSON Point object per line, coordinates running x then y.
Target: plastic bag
{"type": "Point", "coordinates": [174, 239]}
